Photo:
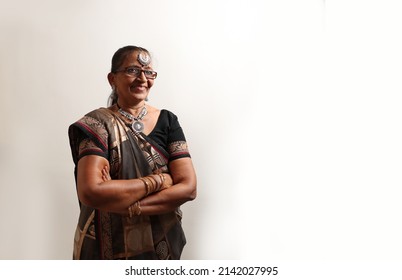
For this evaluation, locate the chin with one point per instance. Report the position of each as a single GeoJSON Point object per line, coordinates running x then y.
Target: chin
{"type": "Point", "coordinates": [140, 96]}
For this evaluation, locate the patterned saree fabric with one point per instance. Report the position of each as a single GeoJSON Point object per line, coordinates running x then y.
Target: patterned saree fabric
{"type": "Point", "coordinates": [106, 235]}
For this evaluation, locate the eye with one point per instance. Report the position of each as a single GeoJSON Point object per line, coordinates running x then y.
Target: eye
{"type": "Point", "coordinates": [150, 74]}
{"type": "Point", "coordinates": [132, 70]}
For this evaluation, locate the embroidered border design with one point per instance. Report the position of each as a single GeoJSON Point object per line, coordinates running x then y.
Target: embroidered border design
{"type": "Point", "coordinates": [87, 146]}
{"type": "Point", "coordinates": [95, 129]}
{"type": "Point", "coordinates": [178, 148]}
{"type": "Point", "coordinates": [106, 235]}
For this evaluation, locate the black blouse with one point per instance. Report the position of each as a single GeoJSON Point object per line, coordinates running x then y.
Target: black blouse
{"type": "Point", "coordinates": [169, 135]}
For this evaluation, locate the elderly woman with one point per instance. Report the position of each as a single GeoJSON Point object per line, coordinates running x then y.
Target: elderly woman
{"type": "Point", "coordinates": [133, 170]}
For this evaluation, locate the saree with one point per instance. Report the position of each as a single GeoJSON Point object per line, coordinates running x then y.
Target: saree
{"type": "Point", "coordinates": [106, 235]}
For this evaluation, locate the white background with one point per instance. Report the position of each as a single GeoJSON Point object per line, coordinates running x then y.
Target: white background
{"type": "Point", "coordinates": [291, 108]}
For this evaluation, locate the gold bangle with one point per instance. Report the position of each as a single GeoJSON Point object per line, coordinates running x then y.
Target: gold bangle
{"type": "Point", "coordinates": [162, 180]}
{"type": "Point", "coordinates": [146, 186]}
{"type": "Point", "coordinates": [150, 183]}
{"type": "Point", "coordinates": [158, 185]}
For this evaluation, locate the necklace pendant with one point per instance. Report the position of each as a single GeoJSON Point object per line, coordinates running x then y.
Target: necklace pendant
{"type": "Point", "coordinates": [137, 126]}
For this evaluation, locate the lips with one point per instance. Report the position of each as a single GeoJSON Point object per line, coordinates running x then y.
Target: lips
{"type": "Point", "coordinates": [138, 88]}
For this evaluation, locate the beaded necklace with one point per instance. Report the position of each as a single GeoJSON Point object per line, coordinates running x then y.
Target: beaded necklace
{"type": "Point", "coordinates": [137, 125]}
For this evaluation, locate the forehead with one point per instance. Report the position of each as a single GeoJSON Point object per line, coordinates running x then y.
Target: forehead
{"type": "Point", "coordinates": [132, 59]}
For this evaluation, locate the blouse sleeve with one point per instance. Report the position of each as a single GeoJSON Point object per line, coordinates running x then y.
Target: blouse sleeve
{"type": "Point", "coordinates": [88, 136]}
{"type": "Point", "coordinates": [177, 145]}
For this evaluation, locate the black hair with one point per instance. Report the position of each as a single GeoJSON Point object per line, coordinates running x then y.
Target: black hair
{"type": "Point", "coordinates": [121, 54]}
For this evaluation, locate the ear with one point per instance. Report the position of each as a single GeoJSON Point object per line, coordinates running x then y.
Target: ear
{"type": "Point", "coordinates": [110, 78]}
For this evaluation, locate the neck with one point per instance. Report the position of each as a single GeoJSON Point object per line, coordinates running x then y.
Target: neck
{"type": "Point", "coordinates": [133, 109]}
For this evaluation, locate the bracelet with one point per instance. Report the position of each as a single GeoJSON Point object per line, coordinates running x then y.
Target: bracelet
{"type": "Point", "coordinates": [146, 185]}
{"type": "Point", "coordinates": [134, 209]}
{"type": "Point", "coordinates": [137, 210]}
{"type": "Point", "coordinates": [158, 185]}
{"type": "Point", "coordinates": [152, 182]}
{"type": "Point", "coordinates": [162, 180]}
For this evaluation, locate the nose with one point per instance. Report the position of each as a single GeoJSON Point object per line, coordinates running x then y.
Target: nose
{"type": "Point", "coordinates": [142, 77]}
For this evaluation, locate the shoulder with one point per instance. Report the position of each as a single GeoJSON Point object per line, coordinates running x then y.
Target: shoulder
{"type": "Point", "coordinates": [163, 117]}
{"type": "Point", "coordinates": [94, 127]}
{"type": "Point", "coordinates": [163, 112]}
{"type": "Point", "coordinates": [96, 122]}
{"type": "Point", "coordinates": [101, 114]}
{"type": "Point", "coordinates": [168, 115]}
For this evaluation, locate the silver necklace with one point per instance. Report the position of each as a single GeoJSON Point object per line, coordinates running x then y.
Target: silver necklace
{"type": "Point", "coordinates": [137, 125]}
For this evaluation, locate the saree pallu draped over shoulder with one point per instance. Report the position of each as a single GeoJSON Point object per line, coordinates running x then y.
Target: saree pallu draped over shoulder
{"type": "Point", "coordinates": [106, 235]}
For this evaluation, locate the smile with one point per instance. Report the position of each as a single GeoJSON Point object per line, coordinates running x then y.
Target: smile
{"type": "Point", "coordinates": [138, 88]}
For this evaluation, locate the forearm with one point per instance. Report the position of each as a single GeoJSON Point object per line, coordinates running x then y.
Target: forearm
{"type": "Point", "coordinates": [167, 200]}
{"type": "Point", "coordinates": [184, 189]}
{"type": "Point", "coordinates": [114, 195]}
{"type": "Point", "coordinates": [96, 189]}
{"type": "Point", "coordinates": [118, 195]}
{"type": "Point", "coordinates": [150, 195]}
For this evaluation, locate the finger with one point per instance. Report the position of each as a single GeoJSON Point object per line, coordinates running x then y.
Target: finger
{"type": "Point", "coordinates": [105, 174]}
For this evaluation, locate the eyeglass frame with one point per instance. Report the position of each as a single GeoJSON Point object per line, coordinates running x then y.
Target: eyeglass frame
{"type": "Point", "coordinates": [139, 72]}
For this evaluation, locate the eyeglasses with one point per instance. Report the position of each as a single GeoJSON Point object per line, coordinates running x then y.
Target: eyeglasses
{"type": "Point", "coordinates": [136, 72]}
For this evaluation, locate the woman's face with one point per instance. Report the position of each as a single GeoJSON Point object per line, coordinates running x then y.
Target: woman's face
{"type": "Point", "coordinates": [130, 89]}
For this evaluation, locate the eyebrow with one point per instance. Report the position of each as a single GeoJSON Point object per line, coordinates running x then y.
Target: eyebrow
{"type": "Point", "coordinates": [139, 67]}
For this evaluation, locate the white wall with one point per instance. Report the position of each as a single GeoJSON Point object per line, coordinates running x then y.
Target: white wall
{"type": "Point", "coordinates": [291, 109]}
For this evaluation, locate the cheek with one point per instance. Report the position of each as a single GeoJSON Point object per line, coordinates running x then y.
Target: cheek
{"type": "Point", "coordinates": [150, 83]}
{"type": "Point", "coordinates": [123, 84]}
